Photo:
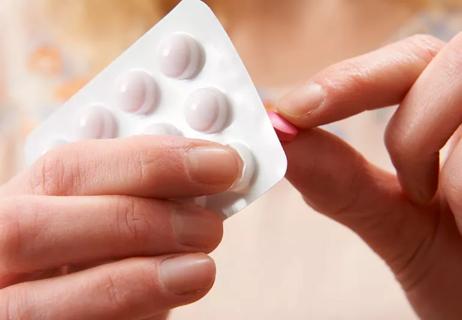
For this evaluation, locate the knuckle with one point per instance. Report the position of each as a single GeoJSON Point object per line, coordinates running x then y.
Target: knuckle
{"type": "Point", "coordinates": [132, 223]}
{"type": "Point", "coordinates": [52, 176]}
{"type": "Point", "coordinates": [152, 166]}
{"type": "Point", "coordinates": [115, 297]}
{"type": "Point", "coordinates": [142, 166]}
{"type": "Point", "coordinates": [424, 46]}
{"type": "Point", "coordinates": [348, 76]}
{"type": "Point", "coordinates": [117, 287]}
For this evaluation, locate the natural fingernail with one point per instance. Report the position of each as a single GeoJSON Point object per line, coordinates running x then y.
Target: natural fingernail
{"type": "Point", "coordinates": [187, 274]}
{"type": "Point", "coordinates": [303, 101]}
{"type": "Point", "coordinates": [214, 165]}
{"type": "Point", "coordinates": [196, 229]}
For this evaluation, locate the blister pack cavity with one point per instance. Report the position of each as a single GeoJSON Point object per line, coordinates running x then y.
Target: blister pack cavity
{"type": "Point", "coordinates": [183, 77]}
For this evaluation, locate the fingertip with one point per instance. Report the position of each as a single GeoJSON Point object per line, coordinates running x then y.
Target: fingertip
{"type": "Point", "coordinates": [188, 275]}
{"type": "Point", "coordinates": [419, 187]}
{"type": "Point", "coordinates": [299, 105]}
{"type": "Point", "coordinates": [197, 228]}
{"type": "Point", "coordinates": [214, 165]}
{"type": "Point", "coordinates": [285, 130]}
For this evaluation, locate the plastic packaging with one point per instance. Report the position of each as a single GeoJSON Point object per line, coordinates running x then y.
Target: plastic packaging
{"type": "Point", "coordinates": [183, 77]}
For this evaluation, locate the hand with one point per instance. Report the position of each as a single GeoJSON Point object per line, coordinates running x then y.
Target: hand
{"type": "Point", "coordinates": [88, 232]}
{"type": "Point", "coordinates": [413, 220]}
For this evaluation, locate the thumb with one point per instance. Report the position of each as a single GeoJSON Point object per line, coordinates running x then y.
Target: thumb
{"type": "Point", "coordinates": [338, 182]}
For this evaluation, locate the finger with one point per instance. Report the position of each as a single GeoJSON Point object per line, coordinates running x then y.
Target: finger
{"type": "Point", "coordinates": [161, 167]}
{"type": "Point", "coordinates": [129, 289]}
{"type": "Point", "coordinates": [41, 233]}
{"type": "Point", "coordinates": [377, 79]}
{"type": "Point", "coordinates": [426, 120]}
{"type": "Point", "coordinates": [451, 182]}
{"type": "Point", "coordinates": [337, 181]}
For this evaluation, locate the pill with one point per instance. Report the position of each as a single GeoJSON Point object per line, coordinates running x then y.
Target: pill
{"type": "Point", "coordinates": [207, 110]}
{"type": "Point", "coordinates": [97, 122]}
{"type": "Point", "coordinates": [137, 92]}
{"type": "Point", "coordinates": [162, 129]}
{"type": "Point", "coordinates": [180, 56]}
{"type": "Point", "coordinates": [285, 131]}
{"type": "Point", "coordinates": [248, 171]}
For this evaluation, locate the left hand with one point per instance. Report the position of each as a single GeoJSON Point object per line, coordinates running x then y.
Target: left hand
{"type": "Point", "coordinates": [413, 220]}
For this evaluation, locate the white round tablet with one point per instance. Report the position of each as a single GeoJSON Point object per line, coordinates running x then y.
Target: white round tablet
{"type": "Point", "coordinates": [162, 129]}
{"type": "Point", "coordinates": [207, 110]}
{"type": "Point", "coordinates": [97, 122]}
{"type": "Point", "coordinates": [137, 92]}
{"type": "Point", "coordinates": [249, 170]}
{"type": "Point", "coordinates": [180, 56]}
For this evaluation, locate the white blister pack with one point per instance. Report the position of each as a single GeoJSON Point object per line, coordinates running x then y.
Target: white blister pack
{"type": "Point", "coordinates": [183, 77]}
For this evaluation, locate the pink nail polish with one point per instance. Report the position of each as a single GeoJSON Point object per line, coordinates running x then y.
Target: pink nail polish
{"type": "Point", "coordinates": [285, 131]}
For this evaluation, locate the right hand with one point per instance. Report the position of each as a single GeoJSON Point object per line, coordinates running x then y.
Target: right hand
{"type": "Point", "coordinates": [88, 232]}
{"type": "Point", "coordinates": [412, 217]}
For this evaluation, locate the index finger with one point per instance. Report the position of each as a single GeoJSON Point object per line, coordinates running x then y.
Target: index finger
{"type": "Point", "coordinates": [151, 166]}
{"type": "Point", "coordinates": [377, 79]}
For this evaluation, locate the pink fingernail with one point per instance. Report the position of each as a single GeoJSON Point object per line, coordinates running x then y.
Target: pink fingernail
{"type": "Point", "coordinates": [285, 130]}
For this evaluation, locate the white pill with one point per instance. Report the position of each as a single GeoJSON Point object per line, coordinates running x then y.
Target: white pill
{"type": "Point", "coordinates": [180, 56]}
{"type": "Point", "coordinates": [162, 129]}
{"type": "Point", "coordinates": [249, 170]}
{"type": "Point", "coordinates": [207, 110]}
{"type": "Point", "coordinates": [97, 122]}
{"type": "Point", "coordinates": [137, 92]}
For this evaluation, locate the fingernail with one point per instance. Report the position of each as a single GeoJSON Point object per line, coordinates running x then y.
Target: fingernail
{"type": "Point", "coordinates": [187, 274]}
{"type": "Point", "coordinates": [196, 229]}
{"type": "Point", "coordinates": [214, 165]}
{"type": "Point", "coordinates": [303, 101]}
{"type": "Point", "coordinates": [285, 131]}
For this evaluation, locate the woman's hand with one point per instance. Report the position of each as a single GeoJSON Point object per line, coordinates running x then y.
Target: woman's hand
{"type": "Point", "coordinates": [413, 220]}
{"type": "Point", "coordinates": [89, 233]}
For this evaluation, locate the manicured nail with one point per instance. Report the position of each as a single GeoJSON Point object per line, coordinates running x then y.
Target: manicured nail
{"type": "Point", "coordinates": [214, 165]}
{"type": "Point", "coordinates": [285, 131]}
{"type": "Point", "coordinates": [302, 101]}
{"type": "Point", "coordinates": [195, 229]}
{"type": "Point", "coordinates": [187, 274]}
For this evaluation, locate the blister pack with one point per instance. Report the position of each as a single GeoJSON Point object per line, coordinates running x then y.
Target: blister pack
{"type": "Point", "coordinates": [183, 77]}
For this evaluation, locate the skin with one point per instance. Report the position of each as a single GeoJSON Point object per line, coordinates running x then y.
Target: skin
{"type": "Point", "coordinates": [106, 242]}
{"type": "Point", "coordinates": [416, 232]}
{"type": "Point", "coordinates": [109, 267]}
{"type": "Point", "coordinates": [412, 219]}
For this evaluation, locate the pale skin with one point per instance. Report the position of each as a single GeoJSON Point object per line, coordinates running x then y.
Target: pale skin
{"type": "Point", "coordinates": [115, 231]}
{"type": "Point", "coordinates": [104, 241]}
{"type": "Point", "coordinates": [412, 219]}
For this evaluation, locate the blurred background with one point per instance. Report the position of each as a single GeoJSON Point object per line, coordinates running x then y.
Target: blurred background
{"type": "Point", "coordinates": [279, 259]}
